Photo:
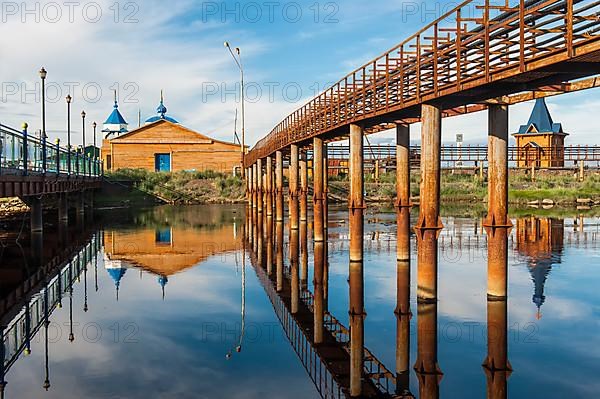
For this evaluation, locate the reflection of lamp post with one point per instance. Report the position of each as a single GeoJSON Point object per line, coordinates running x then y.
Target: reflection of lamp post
{"type": "Point", "coordinates": [238, 348]}
{"type": "Point", "coordinates": [238, 61]}
{"type": "Point", "coordinates": [43, 75]}
{"type": "Point", "coordinates": [69, 98]}
{"type": "Point", "coordinates": [46, 325]}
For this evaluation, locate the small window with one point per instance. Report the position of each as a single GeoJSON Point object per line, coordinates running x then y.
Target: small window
{"type": "Point", "coordinates": [163, 236]}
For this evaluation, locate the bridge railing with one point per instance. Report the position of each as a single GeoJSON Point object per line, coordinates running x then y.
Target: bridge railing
{"type": "Point", "coordinates": [470, 153]}
{"type": "Point", "coordinates": [471, 46]}
{"type": "Point", "coordinates": [25, 154]}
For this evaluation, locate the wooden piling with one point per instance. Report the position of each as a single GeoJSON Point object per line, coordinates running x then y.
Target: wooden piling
{"type": "Point", "coordinates": [318, 172]}
{"type": "Point", "coordinates": [403, 165]}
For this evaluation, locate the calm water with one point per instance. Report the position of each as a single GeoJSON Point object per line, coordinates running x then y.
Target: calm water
{"type": "Point", "coordinates": [174, 302]}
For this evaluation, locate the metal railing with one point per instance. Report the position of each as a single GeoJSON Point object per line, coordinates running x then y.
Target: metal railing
{"type": "Point", "coordinates": [472, 153]}
{"type": "Point", "coordinates": [23, 154]}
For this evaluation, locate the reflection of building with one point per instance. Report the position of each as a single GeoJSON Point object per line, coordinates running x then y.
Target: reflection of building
{"type": "Point", "coordinates": [164, 251]}
{"type": "Point", "coordinates": [164, 145]}
{"type": "Point", "coordinates": [541, 143]}
{"type": "Point", "coordinates": [541, 240]}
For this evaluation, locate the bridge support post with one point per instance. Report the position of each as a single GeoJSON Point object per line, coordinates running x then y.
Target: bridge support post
{"type": "Point", "coordinates": [294, 187]}
{"type": "Point", "coordinates": [260, 187]}
{"type": "Point", "coordinates": [325, 187]}
{"type": "Point", "coordinates": [37, 222]}
{"type": "Point", "coordinates": [403, 165]}
{"type": "Point", "coordinates": [269, 188]}
{"type": "Point", "coordinates": [63, 208]}
{"type": "Point", "coordinates": [80, 210]}
{"type": "Point", "coordinates": [318, 172]}
{"type": "Point", "coordinates": [498, 167]}
{"type": "Point", "coordinates": [357, 312]}
{"type": "Point", "coordinates": [429, 224]}
{"type": "Point", "coordinates": [403, 313]}
{"type": "Point", "coordinates": [250, 186]}
{"type": "Point", "coordinates": [254, 187]}
{"type": "Point", "coordinates": [279, 186]}
{"type": "Point", "coordinates": [303, 188]}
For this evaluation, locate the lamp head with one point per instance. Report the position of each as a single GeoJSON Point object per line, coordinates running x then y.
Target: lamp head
{"type": "Point", "coordinates": [226, 44]}
{"type": "Point", "coordinates": [69, 98]}
{"type": "Point", "coordinates": [43, 73]}
{"type": "Point", "coordinates": [83, 114]}
{"type": "Point", "coordinates": [237, 50]}
{"type": "Point", "coordinates": [94, 125]}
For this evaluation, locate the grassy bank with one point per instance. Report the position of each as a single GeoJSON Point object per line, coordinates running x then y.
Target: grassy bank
{"type": "Point", "coordinates": [214, 188]}
{"type": "Point", "coordinates": [560, 187]}
{"type": "Point", "coordinates": [183, 187]}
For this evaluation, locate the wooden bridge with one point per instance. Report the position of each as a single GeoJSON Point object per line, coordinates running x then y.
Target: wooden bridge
{"type": "Point", "coordinates": [482, 55]}
{"type": "Point", "coordinates": [35, 170]}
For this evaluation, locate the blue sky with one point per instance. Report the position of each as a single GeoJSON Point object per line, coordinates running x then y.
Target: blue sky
{"type": "Point", "coordinates": [290, 51]}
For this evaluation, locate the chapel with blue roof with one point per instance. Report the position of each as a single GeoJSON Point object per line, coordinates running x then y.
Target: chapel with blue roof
{"type": "Point", "coordinates": [541, 142]}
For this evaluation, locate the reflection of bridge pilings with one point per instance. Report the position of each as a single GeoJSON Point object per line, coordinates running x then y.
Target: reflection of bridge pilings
{"type": "Point", "coordinates": [497, 262]}
{"type": "Point", "coordinates": [319, 300]}
{"type": "Point", "coordinates": [303, 255]}
{"type": "Point", "coordinates": [403, 313]}
{"type": "Point", "coordinates": [270, 245]}
{"type": "Point", "coordinates": [427, 270]}
{"type": "Point", "coordinates": [294, 269]}
{"type": "Point", "coordinates": [496, 365]}
{"type": "Point", "coordinates": [427, 367]}
{"type": "Point", "coordinates": [328, 364]}
{"type": "Point", "coordinates": [279, 254]}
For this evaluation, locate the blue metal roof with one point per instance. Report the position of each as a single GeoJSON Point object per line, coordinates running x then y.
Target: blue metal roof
{"type": "Point", "coordinates": [541, 120]}
{"type": "Point", "coordinates": [161, 118]}
{"type": "Point", "coordinates": [116, 274]}
{"type": "Point", "coordinates": [115, 118]}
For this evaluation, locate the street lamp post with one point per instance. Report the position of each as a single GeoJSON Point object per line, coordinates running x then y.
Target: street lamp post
{"type": "Point", "coordinates": [238, 61]}
{"type": "Point", "coordinates": [43, 75]}
{"type": "Point", "coordinates": [69, 98]}
{"type": "Point", "coordinates": [83, 138]}
{"type": "Point", "coordinates": [94, 125]}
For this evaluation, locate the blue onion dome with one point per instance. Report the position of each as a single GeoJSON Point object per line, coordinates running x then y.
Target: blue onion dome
{"type": "Point", "coordinates": [161, 110]}
{"type": "Point", "coordinates": [163, 280]}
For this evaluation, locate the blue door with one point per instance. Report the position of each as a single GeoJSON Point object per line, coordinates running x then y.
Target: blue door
{"type": "Point", "coordinates": [162, 162]}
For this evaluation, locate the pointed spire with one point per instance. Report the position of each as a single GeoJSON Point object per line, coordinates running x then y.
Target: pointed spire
{"type": "Point", "coordinates": [162, 110]}
{"type": "Point", "coordinates": [116, 101]}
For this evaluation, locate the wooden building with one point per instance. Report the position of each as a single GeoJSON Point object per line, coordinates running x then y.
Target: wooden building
{"type": "Point", "coordinates": [541, 143]}
{"type": "Point", "coordinates": [165, 251]}
{"type": "Point", "coordinates": [540, 241]}
{"type": "Point", "coordinates": [163, 145]}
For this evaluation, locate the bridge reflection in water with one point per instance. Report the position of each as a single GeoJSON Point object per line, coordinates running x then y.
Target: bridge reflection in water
{"type": "Point", "coordinates": [325, 346]}
{"type": "Point", "coordinates": [333, 354]}
{"type": "Point", "coordinates": [27, 305]}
